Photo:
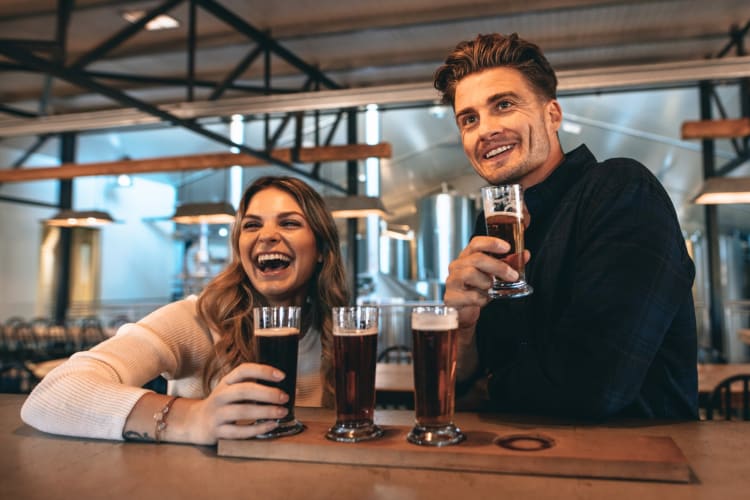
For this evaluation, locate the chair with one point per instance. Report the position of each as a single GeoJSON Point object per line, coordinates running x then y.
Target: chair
{"type": "Point", "coordinates": [92, 332]}
{"type": "Point", "coordinates": [724, 402]}
{"type": "Point", "coordinates": [396, 354]}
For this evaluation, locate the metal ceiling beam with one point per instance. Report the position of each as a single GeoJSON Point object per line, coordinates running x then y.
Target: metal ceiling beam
{"type": "Point", "coordinates": [16, 112]}
{"type": "Point", "coordinates": [242, 26]}
{"type": "Point", "coordinates": [618, 78]}
{"type": "Point", "coordinates": [81, 80]}
{"type": "Point", "coordinates": [35, 45]}
{"type": "Point", "coordinates": [123, 35]}
{"type": "Point", "coordinates": [182, 82]}
{"type": "Point", "coordinates": [240, 68]}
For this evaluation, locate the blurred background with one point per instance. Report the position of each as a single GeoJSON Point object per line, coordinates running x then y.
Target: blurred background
{"type": "Point", "coordinates": [152, 106]}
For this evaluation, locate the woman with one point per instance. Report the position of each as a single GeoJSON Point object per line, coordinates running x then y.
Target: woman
{"type": "Point", "coordinates": [286, 252]}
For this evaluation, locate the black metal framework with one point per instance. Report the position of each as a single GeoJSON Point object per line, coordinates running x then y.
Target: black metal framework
{"type": "Point", "coordinates": [23, 53]}
{"type": "Point", "coordinates": [62, 293]}
{"type": "Point", "coordinates": [708, 99]}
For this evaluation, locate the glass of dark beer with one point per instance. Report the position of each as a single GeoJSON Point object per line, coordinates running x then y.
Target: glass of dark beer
{"type": "Point", "coordinates": [434, 331]}
{"type": "Point", "coordinates": [503, 214]}
{"type": "Point", "coordinates": [276, 338]}
{"type": "Point", "coordinates": [355, 342]}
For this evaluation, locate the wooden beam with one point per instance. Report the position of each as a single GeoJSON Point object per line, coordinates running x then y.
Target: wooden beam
{"type": "Point", "coordinates": [194, 162]}
{"type": "Point", "coordinates": [716, 129]}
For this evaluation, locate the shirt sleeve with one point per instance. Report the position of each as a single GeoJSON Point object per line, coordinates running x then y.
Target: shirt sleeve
{"type": "Point", "coordinates": [92, 393]}
{"type": "Point", "coordinates": [626, 275]}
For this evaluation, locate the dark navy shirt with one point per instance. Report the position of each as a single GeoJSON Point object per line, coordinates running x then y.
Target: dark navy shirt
{"type": "Point", "coordinates": [610, 328]}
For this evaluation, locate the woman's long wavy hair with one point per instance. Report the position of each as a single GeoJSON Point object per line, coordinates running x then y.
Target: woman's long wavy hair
{"type": "Point", "coordinates": [227, 302]}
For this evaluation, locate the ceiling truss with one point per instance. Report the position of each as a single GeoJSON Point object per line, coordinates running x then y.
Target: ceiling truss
{"type": "Point", "coordinates": [24, 54]}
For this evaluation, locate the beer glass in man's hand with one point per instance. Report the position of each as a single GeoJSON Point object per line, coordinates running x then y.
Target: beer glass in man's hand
{"type": "Point", "coordinates": [355, 342]}
{"type": "Point", "coordinates": [276, 338]}
{"type": "Point", "coordinates": [434, 330]}
{"type": "Point", "coordinates": [503, 214]}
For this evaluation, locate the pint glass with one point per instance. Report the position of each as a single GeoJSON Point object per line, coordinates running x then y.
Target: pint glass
{"type": "Point", "coordinates": [276, 337]}
{"type": "Point", "coordinates": [355, 341]}
{"type": "Point", "coordinates": [434, 331]}
{"type": "Point", "coordinates": [503, 214]}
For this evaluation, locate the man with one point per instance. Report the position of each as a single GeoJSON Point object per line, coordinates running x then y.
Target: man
{"type": "Point", "coordinates": [610, 327]}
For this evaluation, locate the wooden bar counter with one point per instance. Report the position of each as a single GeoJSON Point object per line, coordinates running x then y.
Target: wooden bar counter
{"type": "Point", "coordinates": [37, 465]}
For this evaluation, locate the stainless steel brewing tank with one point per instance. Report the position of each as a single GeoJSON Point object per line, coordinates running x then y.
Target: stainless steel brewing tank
{"type": "Point", "coordinates": [446, 222]}
{"type": "Point", "coordinates": [396, 255]}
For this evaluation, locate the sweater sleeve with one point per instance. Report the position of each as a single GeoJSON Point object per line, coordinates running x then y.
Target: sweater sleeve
{"type": "Point", "coordinates": [92, 393]}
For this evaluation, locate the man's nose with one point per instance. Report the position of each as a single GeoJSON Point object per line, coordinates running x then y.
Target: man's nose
{"type": "Point", "coordinates": [489, 127]}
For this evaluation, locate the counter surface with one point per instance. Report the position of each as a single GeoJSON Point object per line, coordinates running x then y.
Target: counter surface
{"type": "Point", "coordinates": [37, 465]}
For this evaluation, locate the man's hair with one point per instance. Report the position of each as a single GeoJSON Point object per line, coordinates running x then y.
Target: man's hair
{"type": "Point", "coordinates": [493, 51]}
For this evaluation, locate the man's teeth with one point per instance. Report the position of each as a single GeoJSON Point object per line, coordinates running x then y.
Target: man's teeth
{"type": "Point", "coordinates": [497, 151]}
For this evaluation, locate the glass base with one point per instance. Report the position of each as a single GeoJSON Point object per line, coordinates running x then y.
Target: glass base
{"type": "Point", "coordinates": [510, 290]}
{"type": "Point", "coordinates": [443, 435]}
{"type": "Point", "coordinates": [287, 428]}
{"type": "Point", "coordinates": [354, 432]}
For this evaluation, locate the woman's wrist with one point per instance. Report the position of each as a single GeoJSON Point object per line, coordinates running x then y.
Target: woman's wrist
{"type": "Point", "coordinates": [158, 418]}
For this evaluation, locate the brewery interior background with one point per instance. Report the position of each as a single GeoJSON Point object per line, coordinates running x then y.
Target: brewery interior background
{"type": "Point", "coordinates": [80, 84]}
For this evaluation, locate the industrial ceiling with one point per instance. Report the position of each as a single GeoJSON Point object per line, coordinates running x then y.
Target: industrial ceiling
{"type": "Point", "coordinates": [70, 66]}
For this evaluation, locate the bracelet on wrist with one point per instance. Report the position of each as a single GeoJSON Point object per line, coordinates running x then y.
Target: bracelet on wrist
{"type": "Point", "coordinates": [161, 419]}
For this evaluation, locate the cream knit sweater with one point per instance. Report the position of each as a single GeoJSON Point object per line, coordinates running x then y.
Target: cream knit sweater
{"type": "Point", "coordinates": [92, 394]}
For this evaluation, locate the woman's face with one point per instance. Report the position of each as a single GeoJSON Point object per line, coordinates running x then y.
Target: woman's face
{"type": "Point", "coordinates": [277, 246]}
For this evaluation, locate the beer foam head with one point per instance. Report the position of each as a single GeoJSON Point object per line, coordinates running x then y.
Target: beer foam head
{"type": "Point", "coordinates": [430, 320]}
{"type": "Point", "coordinates": [503, 200]}
{"type": "Point", "coordinates": [276, 332]}
{"type": "Point", "coordinates": [337, 330]}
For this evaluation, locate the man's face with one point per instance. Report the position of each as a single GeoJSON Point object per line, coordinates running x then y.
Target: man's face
{"type": "Point", "coordinates": [509, 133]}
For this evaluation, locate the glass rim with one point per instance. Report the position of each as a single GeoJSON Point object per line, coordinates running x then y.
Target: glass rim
{"type": "Point", "coordinates": [278, 308]}
{"type": "Point", "coordinates": [368, 307]}
{"type": "Point", "coordinates": [436, 310]}
{"type": "Point", "coordinates": [495, 186]}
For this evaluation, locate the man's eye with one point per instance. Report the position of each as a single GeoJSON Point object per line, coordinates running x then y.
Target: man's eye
{"type": "Point", "coordinates": [504, 104]}
{"type": "Point", "coordinates": [467, 120]}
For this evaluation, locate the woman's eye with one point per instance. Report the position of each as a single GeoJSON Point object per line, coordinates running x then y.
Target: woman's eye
{"type": "Point", "coordinates": [291, 223]}
{"type": "Point", "coordinates": [250, 225]}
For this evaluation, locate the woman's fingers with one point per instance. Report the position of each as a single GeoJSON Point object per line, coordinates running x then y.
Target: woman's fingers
{"type": "Point", "coordinates": [249, 412]}
{"type": "Point", "coordinates": [253, 371]}
{"type": "Point", "coordinates": [244, 430]}
{"type": "Point", "coordinates": [249, 391]}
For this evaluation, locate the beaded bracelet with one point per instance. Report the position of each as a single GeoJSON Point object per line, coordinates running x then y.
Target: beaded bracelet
{"type": "Point", "coordinates": [161, 419]}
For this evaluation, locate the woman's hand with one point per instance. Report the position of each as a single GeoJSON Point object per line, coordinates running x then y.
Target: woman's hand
{"type": "Point", "coordinates": [234, 405]}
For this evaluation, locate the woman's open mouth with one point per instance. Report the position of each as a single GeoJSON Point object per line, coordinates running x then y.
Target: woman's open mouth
{"type": "Point", "coordinates": [272, 262]}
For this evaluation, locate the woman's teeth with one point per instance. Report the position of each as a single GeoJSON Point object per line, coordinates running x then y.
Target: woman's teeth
{"type": "Point", "coordinates": [272, 261]}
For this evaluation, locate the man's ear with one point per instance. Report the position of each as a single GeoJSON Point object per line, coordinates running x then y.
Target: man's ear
{"type": "Point", "coordinates": [554, 114]}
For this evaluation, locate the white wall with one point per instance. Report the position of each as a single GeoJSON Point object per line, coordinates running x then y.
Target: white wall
{"type": "Point", "coordinates": [138, 255]}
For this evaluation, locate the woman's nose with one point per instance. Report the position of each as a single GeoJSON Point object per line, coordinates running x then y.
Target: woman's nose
{"type": "Point", "coordinates": [269, 233]}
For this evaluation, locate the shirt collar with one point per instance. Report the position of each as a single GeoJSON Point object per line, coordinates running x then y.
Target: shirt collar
{"type": "Point", "coordinates": [542, 197]}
